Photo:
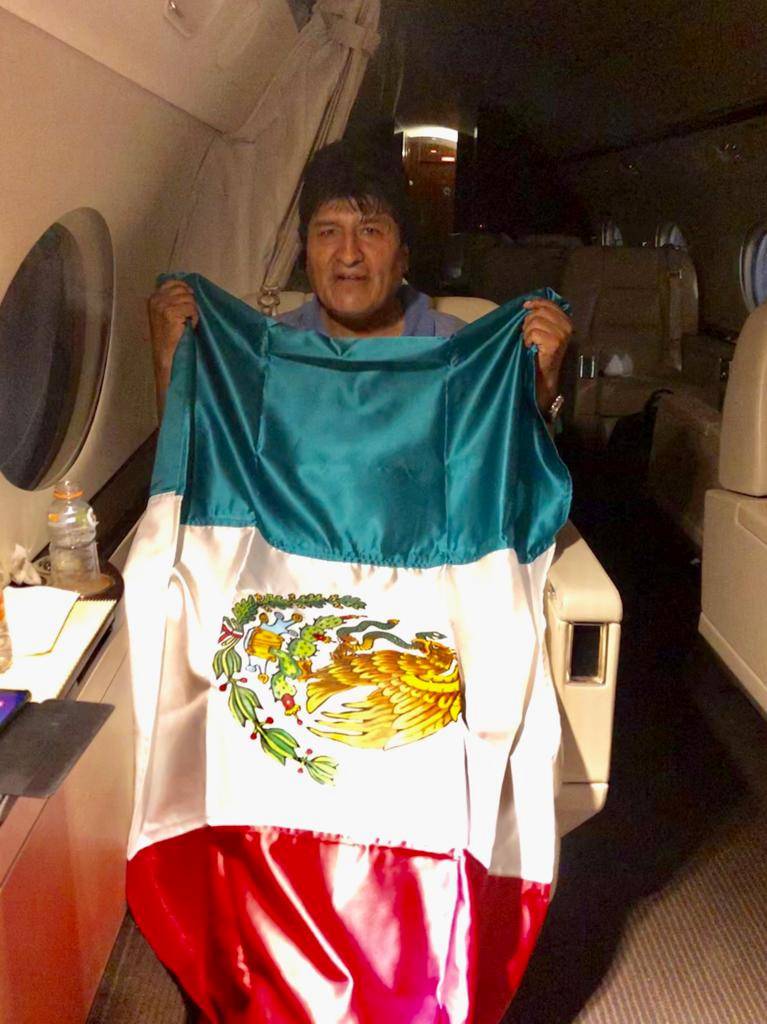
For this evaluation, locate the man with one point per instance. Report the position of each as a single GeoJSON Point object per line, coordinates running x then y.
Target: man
{"type": "Point", "coordinates": [353, 227]}
{"type": "Point", "coordinates": [354, 234]}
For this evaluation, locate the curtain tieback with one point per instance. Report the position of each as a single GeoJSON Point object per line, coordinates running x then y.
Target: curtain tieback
{"type": "Point", "coordinates": [269, 299]}
{"type": "Point", "coordinates": [347, 32]}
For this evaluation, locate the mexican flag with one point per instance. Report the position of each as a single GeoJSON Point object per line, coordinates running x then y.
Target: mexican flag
{"type": "Point", "coordinates": [346, 731]}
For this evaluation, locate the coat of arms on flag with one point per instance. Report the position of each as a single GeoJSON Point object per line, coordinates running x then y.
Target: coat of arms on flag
{"type": "Point", "coordinates": [371, 689]}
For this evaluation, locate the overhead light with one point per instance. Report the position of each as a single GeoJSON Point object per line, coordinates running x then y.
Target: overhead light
{"type": "Point", "coordinates": [431, 131]}
{"type": "Point", "coordinates": [447, 159]}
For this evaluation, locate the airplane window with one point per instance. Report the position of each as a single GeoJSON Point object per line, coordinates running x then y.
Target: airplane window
{"type": "Point", "coordinates": [670, 234]}
{"type": "Point", "coordinates": [610, 233]}
{"type": "Point", "coordinates": [753, 267]}
{"type": "Point", "coordinates": [54, 330]}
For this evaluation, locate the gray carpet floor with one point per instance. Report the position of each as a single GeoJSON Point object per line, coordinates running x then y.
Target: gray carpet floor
{"type": "Point", "coordinates": [695, 951]}
{"type": "Point", "coordinates": [663, 920]}
{"type": "Point", "coordinates": [135, 988]}
{"type": "Point", "coordinates": [660, 916]}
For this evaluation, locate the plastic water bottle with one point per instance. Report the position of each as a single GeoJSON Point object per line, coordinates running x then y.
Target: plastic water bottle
{"type": "Point", "coordinates": [72, 532]}
{"type": "Point", "coordinates": [6, 651]}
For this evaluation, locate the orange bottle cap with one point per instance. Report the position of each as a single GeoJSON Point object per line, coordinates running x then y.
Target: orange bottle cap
{"type": "Point", "coordinates": [67, 489]}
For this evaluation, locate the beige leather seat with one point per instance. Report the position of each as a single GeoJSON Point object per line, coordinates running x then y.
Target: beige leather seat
{"type": "Point", "coordinates": [503, 274]}
{"type": "Point", "coordinates": [466, 308]}
{"type": "Point", "coordinates": [631, 309]}
{"type": "Point", "coordinates": [500, 269]}
{"type": "Point", "coordinates": [565, 242]}
{"type": "Point", "coordinates": [583, 615]}
{"type": "Point", "coordinates": [684, 462]}
{"type": "Point", "coordinates": [462, 251]}
{"type": "Point", "coordinates": [734, 598]}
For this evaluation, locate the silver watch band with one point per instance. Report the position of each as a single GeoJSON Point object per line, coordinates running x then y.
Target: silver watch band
{"type": "Point", "coordinates": [552, 413]}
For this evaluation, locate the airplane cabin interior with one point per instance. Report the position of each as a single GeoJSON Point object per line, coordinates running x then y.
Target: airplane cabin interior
{"type": "Point", "coordinates": [613, 153]}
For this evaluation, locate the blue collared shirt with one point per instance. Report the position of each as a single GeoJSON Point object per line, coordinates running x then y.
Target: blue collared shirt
{"type": "Point", "coordinates": [421, 321]}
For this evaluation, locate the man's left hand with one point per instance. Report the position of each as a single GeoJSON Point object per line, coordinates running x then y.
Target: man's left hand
{"type": "Point", "coordinates": [548, 327]}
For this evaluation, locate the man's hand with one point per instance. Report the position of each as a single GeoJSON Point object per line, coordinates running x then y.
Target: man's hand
{"type": "Point", "coordinates": [548, 327]}
{"type": "Point", "coordinates": [169, 309]}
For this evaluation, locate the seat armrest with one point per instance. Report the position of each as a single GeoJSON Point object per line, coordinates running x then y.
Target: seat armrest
{"type": "Point", "coordinates": [583, 611]}
{"type": "Point", "coordinates": [578, 587]}
{"type": "Point", "coordinates": [752, 516]}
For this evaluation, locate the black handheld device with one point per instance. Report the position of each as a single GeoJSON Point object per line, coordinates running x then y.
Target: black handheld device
{"type": "Point", "coordinates": [11, 702]}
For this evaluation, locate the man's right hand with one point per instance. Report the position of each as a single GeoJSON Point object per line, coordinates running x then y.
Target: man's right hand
{"type": "Point", "coordinates": [169, 309]}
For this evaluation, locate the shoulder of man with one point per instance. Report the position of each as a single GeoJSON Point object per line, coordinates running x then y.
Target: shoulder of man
{"type": "Point", "coordinates": [305, 317]}
{"type": "Point", "coordinates": [422, 319]}
{"type": "Point", "coordinates": [446, 324]}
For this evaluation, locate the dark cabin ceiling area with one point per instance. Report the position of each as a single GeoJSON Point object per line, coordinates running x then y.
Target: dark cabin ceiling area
{"type": "Point", "coordinates": [579, 76]}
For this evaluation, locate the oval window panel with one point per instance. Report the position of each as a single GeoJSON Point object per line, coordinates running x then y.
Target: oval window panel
{"type": "Point", "coordinates": [670, 234]}
{"type": "Point", "coordinates": [610, 233]}
{"type": "Point", "coordinates": [55, 320]}
{"type": "Point", "coordinates": [753, 267]}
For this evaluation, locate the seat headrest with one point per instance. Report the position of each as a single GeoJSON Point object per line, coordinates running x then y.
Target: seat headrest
{"type": "Point", "coordinates": [465, 308]}
{"type": "Point", "coordinates": [650, 291]}
{"type": "Point", "coordinates": [743, 449]}
{"type": "Point", "coordinates": [462, 250]}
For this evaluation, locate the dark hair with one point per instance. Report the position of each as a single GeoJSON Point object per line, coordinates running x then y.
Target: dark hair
{"type": "Point", "coordinates": [368, 176]}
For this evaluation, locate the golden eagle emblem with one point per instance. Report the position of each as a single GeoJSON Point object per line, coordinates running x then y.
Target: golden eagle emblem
{"type": "Point", "coordinates": [410, 695]}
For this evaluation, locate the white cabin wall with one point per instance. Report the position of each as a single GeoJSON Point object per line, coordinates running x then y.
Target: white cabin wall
{"type": "Point", "coordinates": [214, 68]}
{"type": "Point", "coordinates": [697, 183]}
{"type": "Point", "coordinates": [77, 134]}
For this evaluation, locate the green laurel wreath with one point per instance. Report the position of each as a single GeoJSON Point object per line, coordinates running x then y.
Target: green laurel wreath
{"type": "Point", "coordinates": [244, 703]}
{"type": "Point", "coordinates": [247, 609]}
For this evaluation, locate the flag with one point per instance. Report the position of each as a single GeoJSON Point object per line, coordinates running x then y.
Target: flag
{"type": "Point", "coordinates": [346, 731]}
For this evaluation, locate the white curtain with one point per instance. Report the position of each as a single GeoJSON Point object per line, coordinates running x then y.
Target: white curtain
{"type": "Point", "coordinates": [241, 227]}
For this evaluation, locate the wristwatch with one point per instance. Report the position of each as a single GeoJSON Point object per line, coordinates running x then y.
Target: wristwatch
{"type": "Point", "coordinates": [552, 413]}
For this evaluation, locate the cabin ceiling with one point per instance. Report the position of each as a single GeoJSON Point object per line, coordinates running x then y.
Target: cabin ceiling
{"type": "Point", "coordinates": [579, 76]}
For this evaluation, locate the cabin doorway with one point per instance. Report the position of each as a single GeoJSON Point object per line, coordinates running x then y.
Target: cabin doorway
{"type": "Point", "coordinates": [429, 158]}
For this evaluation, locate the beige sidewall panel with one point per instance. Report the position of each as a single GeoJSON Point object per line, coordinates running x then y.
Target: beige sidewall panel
{"type": "Point", "coordinates": [83, 136]}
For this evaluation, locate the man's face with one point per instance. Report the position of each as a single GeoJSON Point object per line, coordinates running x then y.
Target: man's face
{"type": "Point", "coordinates": [355, 261]}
